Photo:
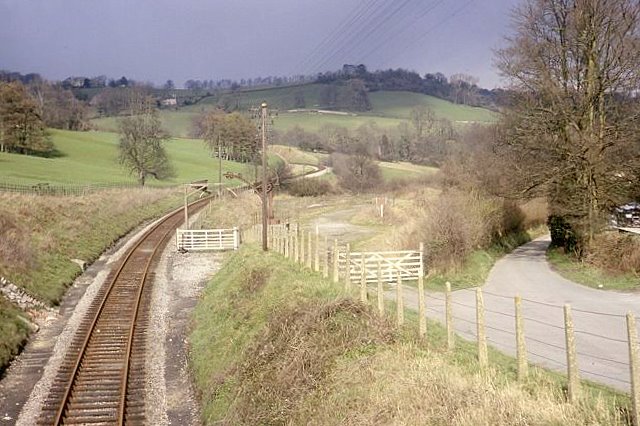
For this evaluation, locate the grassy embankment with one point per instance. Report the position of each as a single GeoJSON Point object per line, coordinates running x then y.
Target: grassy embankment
{"type": "Point", "coordinates": [273, 343]}
{"type": "Point", "coordinates": [39, 235]}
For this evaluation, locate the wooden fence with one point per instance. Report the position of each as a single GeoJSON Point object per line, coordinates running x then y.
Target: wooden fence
{"type": "Point", "coordinates": [557, 342]}
{"type": "Point", "coordinates": [207, 239]}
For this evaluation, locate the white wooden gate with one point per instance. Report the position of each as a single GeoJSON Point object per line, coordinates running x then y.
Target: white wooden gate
{"type": "Point", "coordinates": [207, 239]}
{"type": "Point", "coordinates": [408, 264]}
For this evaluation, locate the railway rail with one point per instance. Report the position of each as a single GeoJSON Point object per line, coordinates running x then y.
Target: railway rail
{"type": "Point", "coordinates": [102, 377]}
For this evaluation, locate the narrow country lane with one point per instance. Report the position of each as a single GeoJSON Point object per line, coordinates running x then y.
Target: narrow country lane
{"type": "Point", "coordinates": [598, 315]}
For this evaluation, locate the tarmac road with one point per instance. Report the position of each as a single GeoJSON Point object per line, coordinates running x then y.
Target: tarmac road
{"type": "Point", "coordinates": [598, 315]}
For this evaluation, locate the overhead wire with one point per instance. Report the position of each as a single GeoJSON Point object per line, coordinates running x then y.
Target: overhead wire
{"type": "Point", "coordinates": [379, 19]}
{"type": "Point", "coordinates": [347, 21]}
{"type": "Point", "coordinates": [426, 33]}
{"type": "Point", "coordinates": [432, 6]}
{"type": "Point", "coordinates": [339, 38]}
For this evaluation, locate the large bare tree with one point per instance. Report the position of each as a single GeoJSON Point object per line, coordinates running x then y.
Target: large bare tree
{"type": "Point", "coordinates": [572, 128]}
{"type": "Point", "coordinates": [141, 148]}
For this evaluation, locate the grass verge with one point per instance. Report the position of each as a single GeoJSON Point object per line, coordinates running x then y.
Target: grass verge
{"type": "Point", "coordinates": [273, 343]}
{"type": "Point", "coordinates": [40, 235]}
{"type": "Point", "coordinates": [590, 275]}
{"type": "Point", "coordinates": [475, 269]}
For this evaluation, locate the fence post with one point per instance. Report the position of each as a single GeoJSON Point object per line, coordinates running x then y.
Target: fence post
{"type": "Point", "coordinates": [400, 300]}
{"type": "Point", "coordinates": [325, 268]}
{"type": "Point", "coordinates": [632, 333]}
{"type": "Point", "coordinates": [287, 241]}
{"type": "Point", "coordinates": [422, 309]}
{"type": "Point", "coordinates": [521, 349]}
{"type": "Point", "coordinates": [347, 270]}
{"type": "Point", "coordinates": [449, 317]}
{"type": "Point", "coordinates": [235, 238]}
{"type": "Point", "coordinates": [336, 261]}
{"type": "Point", "coordinates": [481, 334]}
{"type": "Point", "coordinates": [296, 244]}
{"type": "Point", "coordinates": [363, 283]}
{"type": "Point", "coordinates": [302, 245]}
{"type": "Point", "coordinates": [380, 290]}
{"type": "Point", "coordinates": [573, 388]}
{"type": "Point", "coordinates": [309, 250]}
{"type": "Point", "coordinates": [316, 266]}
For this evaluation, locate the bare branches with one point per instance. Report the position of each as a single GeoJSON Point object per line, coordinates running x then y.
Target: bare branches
{"type": "Point", "coordinates": [572, 129]}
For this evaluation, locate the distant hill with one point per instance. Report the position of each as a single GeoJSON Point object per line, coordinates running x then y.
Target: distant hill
{"type": "Point", "coordinates": [388, 109]}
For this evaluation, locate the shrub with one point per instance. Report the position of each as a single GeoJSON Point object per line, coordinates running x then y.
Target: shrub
{"type": "Point", "coordinates": [308, 187]}
{"type": "Point", "coordinates": [615, 252]}
{"type": "Point", "coordinates": [357, 173]}
{"type": "Point", "coordinates": [458, 223]}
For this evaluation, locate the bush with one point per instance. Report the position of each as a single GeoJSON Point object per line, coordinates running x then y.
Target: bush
{"type": "Point", "coordinates": [615, 252]}
{"type": "Point", "coordinates": [458, 223]}
{"type": "Point", "coordinates": [357, 173]}
{"type": "Point", "coordinates": [308, 188]}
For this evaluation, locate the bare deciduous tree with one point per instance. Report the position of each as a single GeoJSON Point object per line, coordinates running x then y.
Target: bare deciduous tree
{"type": "Point", "coordinates": [572, 128]}
{"type": "Point", "coordinates": [141, 148]}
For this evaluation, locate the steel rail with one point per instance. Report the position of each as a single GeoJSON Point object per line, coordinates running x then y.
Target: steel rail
{"type": "Point", "coordinates": [123, 387]}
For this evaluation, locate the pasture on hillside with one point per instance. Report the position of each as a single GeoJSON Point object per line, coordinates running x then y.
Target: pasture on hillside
{"type": "Point", "coordinates": [388, 110]}
{"type": "Point", "coordinates": [91, 157]}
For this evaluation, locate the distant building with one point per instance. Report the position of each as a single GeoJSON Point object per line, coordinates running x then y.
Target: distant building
{"type": "Point", "coordinates": [169, 102]}
{"type": "Point", "coordinates": [628, 215]}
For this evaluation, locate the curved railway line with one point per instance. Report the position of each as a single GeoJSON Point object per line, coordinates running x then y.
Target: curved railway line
{"type": "Point", "coordinates": [102, 377]}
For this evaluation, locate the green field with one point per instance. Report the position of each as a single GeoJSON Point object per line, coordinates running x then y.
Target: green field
{"type": "Point", "coordinates": [90, 157]}
{"type": "Point", "coordinates": [177, 123]}
{"type": "Point", "coordinates": [399, 105]}
{"type": "Point", "coordinates": [389, 109]}
{"type": "Point", "coordinates": [403, 170]}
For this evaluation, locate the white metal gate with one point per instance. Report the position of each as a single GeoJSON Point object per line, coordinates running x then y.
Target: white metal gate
{"type": "Point", "coordinates": [207, 239]}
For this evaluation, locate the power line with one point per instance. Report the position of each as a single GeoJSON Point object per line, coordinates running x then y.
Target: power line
{"type": "Point", "coordinates": [383, 16]}
{"type": "Point", "coordinates": [433, 28]}
{"type": "Point", "coordinates": [330, 37]}
{"type": "Point", "coordinates": [395, 35]}
{"type": "Point", "coordinates": [345, 33]}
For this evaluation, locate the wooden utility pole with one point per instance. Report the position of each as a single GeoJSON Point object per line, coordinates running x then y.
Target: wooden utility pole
{"type": "Point", "coordinates": [264, 176]}
{"type": "Point", "coordinates": [220, 167]}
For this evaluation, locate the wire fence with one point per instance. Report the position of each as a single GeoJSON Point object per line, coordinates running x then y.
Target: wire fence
{"type": "Point", "coordinates": [599, 346]}
{"type": "Point", "coordinates": [66, 189]}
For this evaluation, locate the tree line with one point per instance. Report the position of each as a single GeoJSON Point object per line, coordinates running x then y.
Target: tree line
{"type": "Point", "coordinates": [26, 110]}
{"type": "Point", "coordinates": [571, 131]}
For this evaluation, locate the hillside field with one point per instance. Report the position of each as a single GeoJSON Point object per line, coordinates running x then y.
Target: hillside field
{"type": "Point", "coordinates": [91, 157]}
{"type": "Point", "coordinates": [389, 109]}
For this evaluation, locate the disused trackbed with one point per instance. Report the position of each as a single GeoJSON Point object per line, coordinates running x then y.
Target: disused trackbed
{"type": "Point", "coordinates": [101, 380]}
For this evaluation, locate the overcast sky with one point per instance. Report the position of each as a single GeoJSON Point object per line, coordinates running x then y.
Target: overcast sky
{"type": "Point", "coordinates": [156, 40]}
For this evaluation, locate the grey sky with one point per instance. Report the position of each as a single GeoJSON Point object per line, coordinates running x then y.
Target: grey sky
{"type": "Point", "coordinates": [154, 40]}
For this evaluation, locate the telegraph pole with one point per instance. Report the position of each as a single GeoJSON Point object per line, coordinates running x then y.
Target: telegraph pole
{"type": "Point", "coordinates": [264, 177]}
{"type": "Point", "coordinates": [220, 167]}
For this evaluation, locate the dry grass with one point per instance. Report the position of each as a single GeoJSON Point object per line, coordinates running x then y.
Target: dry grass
{"type": "Point", "coordinates": [403, 385]}
{"type": "Point", "coordinates": [294, 354]}
{"type": "Point", "coordinates": [293, 350]}
{"type": "Point", "coordinates": [230, 212]}
{"type": "Point", "coordinates": [41, 234]}
{"type": "Point", "coordinates": [15, 249]}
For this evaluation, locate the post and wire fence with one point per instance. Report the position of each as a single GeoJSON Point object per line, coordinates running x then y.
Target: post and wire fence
{"type": "Point", "coordinates": [563, 338]}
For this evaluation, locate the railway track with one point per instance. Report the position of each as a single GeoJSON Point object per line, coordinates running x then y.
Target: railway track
{"type": "Point", "coordinates": [102, 377]}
